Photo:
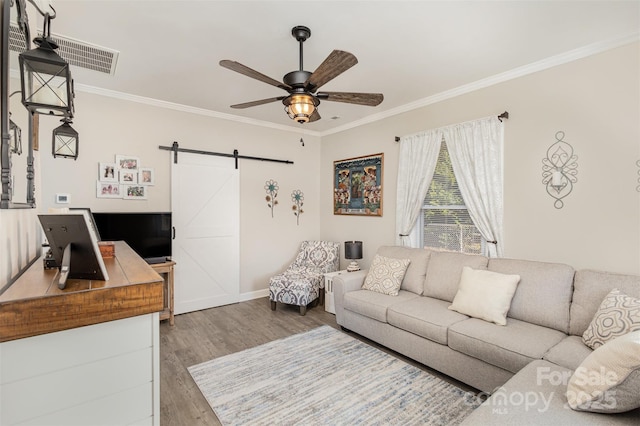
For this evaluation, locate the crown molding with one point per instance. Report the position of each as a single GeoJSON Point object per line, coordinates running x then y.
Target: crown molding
{"type": "Point", "coordinates": [186, 108]}
{"type": "Point", "coordinates": [550, 62]}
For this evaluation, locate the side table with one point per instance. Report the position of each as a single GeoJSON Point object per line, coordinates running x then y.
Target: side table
{"type": "Point", "coordinates": [166, 272]}
{"type": "Point", "coordinates": [329, 301]}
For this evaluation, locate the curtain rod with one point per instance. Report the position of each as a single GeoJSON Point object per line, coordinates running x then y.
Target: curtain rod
{"type": "Point", "coordinates": [504, 115]}
{"type": "Point", "coordinates": [175, 148]}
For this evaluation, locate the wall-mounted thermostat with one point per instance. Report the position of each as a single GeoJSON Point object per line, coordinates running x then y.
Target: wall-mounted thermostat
{"type": "Point", "coordinates": [63, 198]}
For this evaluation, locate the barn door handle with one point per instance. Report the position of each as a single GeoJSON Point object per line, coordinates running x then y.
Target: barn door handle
{"type": "Point", "coordinates": [173, 228]}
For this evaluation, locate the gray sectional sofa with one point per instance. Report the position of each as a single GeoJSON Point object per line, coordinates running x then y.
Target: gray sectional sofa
{"type": "Point", "coordinates": [532, 355]}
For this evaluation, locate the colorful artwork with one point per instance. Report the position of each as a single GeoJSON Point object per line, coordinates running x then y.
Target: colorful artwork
{"type": "Point", "coordinates": [358, 186]}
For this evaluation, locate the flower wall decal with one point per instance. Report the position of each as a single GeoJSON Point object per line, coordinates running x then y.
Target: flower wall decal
{"type": "Point", "coordinates": [297, 197]}
{"type": "Point", "coordinates": [271, 186]}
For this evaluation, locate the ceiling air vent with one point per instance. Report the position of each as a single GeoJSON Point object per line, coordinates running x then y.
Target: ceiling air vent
{"type": "Point", "coordinates": [75, 52]}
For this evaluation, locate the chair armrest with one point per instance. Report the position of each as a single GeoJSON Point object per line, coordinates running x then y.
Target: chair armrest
{"type": "Point", "coordinates": [345, 283]}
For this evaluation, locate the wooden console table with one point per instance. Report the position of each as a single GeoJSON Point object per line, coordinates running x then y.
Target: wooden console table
{"type": "Point", "coordinates": [166, 271]}
{"type": "Point", "coordinates": [35, 305]}
{"type": "Point", "coordinates": [89, 353]}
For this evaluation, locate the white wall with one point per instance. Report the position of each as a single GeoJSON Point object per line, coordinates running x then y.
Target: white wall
{"type": "Point", "coordinates": [595, 101]}
{"type": "Point", "coordinates": [110, 126]}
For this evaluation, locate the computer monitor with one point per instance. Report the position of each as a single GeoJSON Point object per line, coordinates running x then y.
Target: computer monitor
{"type": "Point", "coordinates": [74, 246]}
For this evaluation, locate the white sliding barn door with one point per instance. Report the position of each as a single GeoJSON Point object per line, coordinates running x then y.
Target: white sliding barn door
{"type": "Point", "coordinates": [205, 202]}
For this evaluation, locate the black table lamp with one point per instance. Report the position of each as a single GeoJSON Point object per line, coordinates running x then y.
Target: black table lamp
{"type": "Point", "coordinates": [353, 251]}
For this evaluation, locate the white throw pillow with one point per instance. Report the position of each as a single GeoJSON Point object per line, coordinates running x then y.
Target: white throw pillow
{"type": "Point", "coordinates": [608, 380]}
{"type": "Point", "coordinates": [617, 315]}
{"type": "Point", "coordinates": [485, 294]}
{"type": "Point", "coordinates": [385, 275]}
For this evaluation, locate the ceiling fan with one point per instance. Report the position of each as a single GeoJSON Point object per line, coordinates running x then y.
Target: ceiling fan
{"type": "Point", "coordinates": [302, 86]}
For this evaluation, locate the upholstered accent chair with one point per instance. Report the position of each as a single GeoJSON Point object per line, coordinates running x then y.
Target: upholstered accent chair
{"type": "Point", "coordinates": [303, 281]}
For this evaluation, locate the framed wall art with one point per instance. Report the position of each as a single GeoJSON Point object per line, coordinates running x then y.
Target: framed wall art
{"type": "Point", "coordinates": [127, 162]}
{"type": "Point", "coordinates": [128, 176]}
{"type": "Point", "coordinates": [134, 192]}
{"type": "Point", "coordinates": [357, 186]}
{"type": "Point", "coordinates": [107, 172]}
{"type": "Point", "coordinates": [108, 190]}
{"type": "Point", "coordinates": [146, 176]}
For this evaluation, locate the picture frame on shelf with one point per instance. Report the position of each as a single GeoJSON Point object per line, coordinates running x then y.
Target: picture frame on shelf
{"type": "Point", "coordinates": [107, 172]}
{"type": "Point", "coordinates": [108, 190]}
{"type": "Point", "coordinates": [134, 192]}
{"type": "Point", "coordinates": [146, 176]}
{"type": "Point", "coordinates": [127, 162]}
{"type": "Point", "coordinates": [358, 185]}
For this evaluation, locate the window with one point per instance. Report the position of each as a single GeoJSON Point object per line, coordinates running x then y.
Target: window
{"type": "Point", "coordinates": [445, 220]}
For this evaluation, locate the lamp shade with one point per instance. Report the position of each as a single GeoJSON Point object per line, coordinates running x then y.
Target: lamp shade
{"type": "Point", "coordinates": [300, 107]}
{"type": "Point", "coordinates": [47, 86]}
{"type": "Point", "coordinates": [353, 249]}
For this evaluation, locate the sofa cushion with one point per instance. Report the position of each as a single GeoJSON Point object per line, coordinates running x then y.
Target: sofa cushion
{"type": "Point", "coordinates": [569, 353]}
{"type": "Point", "coordinates": [590, 289]}
{"type": "Point", "coordinates": [543, 296]}
{"type": "Point", "coordinates": [535, 396]}
{"type": "Point", "coordinates": [615, 391]}
{"type": "Point", "coordinates": [372, 304]}
{"type": "Point", "coordinates": [424, 316]}
{"type": "Point", "coordinates": [413, 280]}
{"type": "Point", "coordinates": [509, 347]}
{"type": "Point", "coordinates": [617, 315]}
{"type": "Point", "coordinates": [485, 295]}
{"type": "Point", "coordinates": [444, 271]}
{"type": "Point", "coordinates": [385, 275]}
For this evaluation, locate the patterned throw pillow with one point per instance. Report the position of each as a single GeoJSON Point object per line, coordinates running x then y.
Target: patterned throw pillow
{"type": "Point", "coordinates": [617, 315]}
{"type": "Point", "coordinates": [385, 275]}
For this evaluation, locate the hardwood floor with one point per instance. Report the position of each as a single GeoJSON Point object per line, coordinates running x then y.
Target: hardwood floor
{"type": "Point", "coordinates": [201, 336]}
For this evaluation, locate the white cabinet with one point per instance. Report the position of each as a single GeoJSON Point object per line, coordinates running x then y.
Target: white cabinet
{"type": "Point", "coordinates": [103, 374]}
{"type": "Point", "coordinates": [329, 301]}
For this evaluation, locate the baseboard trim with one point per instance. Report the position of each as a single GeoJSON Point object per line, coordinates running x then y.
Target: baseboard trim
{"type": "Point", "coordinates": [254, 295]}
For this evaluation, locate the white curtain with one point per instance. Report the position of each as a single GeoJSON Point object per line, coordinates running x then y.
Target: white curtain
{"type": "Point", "coordinates": [418, 157]}
{"type": "Point", "coordinates": [475, 148]}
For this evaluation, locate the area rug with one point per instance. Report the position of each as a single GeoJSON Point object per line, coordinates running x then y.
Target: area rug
{"type": "Point", "coordinates": [325, 376]}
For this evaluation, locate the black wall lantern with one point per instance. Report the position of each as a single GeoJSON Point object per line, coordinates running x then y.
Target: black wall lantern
{"type": "Point", "coordinates": [65, 140]}
{"type": "Point", "coordinates": [15, 137]}
{"type": "Point", "coordinates": [47, 86]}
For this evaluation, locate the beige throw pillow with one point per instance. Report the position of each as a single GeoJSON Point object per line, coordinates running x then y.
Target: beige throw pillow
{"type": "Point", "coordinates": [608, 380]}
{"type": "Point", "coordinates": [617, 315]}
{"type": "Point", "coordinates": [385, 275]}
{"type": "Point", "coordinates": [485, 294]}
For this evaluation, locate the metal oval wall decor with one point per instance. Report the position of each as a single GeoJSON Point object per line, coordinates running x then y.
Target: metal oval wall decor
{"type": "Point", "coordinates": [559, 170]}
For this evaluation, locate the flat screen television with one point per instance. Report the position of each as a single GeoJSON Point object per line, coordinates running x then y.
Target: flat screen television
{"type": "Point", "coordinates": [148, 234]}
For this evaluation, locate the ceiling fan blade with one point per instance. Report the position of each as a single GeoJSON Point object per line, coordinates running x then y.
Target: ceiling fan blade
{"type": "Point", "coordinates": [245, 70]}
{"type": "Point", "coordinates": [369, 99]}
{"type": "Point", "coordinates": [256, 103]}
{"type": "Point", "coordinates": [315, 116]}
{"type": "Point", "coordinates": [335, 64]}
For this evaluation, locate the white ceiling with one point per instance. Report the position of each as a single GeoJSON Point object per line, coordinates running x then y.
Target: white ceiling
{"type": "Point", "coordinates": [411, 51]}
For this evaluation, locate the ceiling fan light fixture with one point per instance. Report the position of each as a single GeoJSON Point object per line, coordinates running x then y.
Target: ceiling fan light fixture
{"type": "Point", "coordinates": [300, 107]}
